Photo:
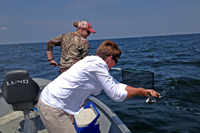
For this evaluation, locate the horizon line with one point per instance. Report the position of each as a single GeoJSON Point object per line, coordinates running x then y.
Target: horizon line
{"type": "Point", "coordinates": [112, 38]}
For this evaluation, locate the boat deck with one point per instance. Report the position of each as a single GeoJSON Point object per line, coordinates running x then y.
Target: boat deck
{"type": "Point", "coordinates": [13, 121]}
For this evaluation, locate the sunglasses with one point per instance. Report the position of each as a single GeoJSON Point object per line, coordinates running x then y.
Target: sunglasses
{"type": "Point", "coordinates": [116, 60]}
{"type": "Point", "coordinates": [88, 32]}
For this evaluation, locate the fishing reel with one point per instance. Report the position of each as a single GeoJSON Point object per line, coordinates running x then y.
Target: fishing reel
{"type": "Point", "coordinates": [150, 100]}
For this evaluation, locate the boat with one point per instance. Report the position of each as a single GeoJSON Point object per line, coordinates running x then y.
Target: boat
{"type": "Point", "coordinates": [14, 121]}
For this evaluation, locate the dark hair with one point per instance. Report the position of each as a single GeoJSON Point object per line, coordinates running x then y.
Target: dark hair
{"type": "Point", "coordinates": [108, 48]}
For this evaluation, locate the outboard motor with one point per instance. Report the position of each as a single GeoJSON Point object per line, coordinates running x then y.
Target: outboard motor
{"type": "Point", "coordinates": [21, 91]}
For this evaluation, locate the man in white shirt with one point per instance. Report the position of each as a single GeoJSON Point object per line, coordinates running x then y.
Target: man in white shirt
{"type": "Point", "coordinates": [66, 94]}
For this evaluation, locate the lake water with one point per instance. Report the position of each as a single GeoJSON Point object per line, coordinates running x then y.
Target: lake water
{"type": "Point", "coordinates": [174, 60]}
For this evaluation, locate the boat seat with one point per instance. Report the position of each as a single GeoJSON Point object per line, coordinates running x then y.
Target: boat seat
{"type": "Point", "coordinates": [20, 90]}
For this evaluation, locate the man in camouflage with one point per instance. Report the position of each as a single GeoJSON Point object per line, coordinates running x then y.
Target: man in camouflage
{"type": "Point", "coordinates": [74, 46]}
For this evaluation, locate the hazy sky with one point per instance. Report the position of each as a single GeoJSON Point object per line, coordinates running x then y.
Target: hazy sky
{"type": "Point", "coordinates": [27, 21]}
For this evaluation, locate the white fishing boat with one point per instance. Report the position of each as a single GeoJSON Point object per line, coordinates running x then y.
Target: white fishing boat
{"type": "Point", "coordinates": [22, 117]}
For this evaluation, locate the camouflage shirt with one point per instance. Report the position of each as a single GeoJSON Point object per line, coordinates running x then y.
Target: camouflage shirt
{"type": "Point", "coordinates": [74, 47]}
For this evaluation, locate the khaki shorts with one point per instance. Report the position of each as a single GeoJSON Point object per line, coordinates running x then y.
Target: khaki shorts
{"type": "Point", "coordinates": [55, 120]}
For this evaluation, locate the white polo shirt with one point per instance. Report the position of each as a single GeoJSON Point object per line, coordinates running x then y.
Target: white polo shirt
{"type": "Point", "coordinates": [88, 76]}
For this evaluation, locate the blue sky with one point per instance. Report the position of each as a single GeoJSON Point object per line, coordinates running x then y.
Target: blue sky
{"type": "Point", "coordinates": [27, 21]}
